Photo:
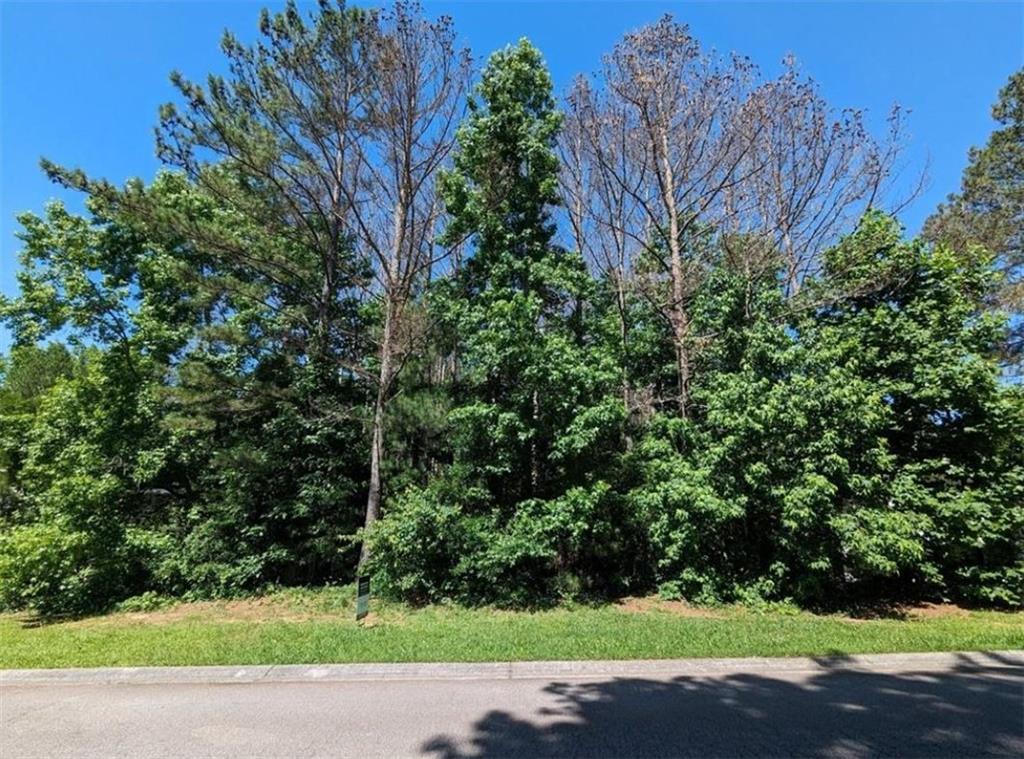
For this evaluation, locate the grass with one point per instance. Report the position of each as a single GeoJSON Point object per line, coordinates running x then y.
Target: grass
{"type": "Point", "coordinates": [318, 627]}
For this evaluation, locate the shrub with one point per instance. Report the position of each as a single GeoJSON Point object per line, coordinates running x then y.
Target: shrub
{"type": "Point", "coordinates": [56, 571]}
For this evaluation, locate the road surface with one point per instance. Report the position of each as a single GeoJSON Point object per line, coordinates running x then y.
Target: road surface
{"type": "Point", "coordinates": [924, 705]}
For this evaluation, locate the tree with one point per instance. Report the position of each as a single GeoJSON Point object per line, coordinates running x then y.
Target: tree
{"type": "Point", "coordinates": [521, 298]}
{"type": "Point", "coordinates": [418, 85]}
{"type": "Point", "coordinates": [271, 345]}
{"type": "Point", "coordinates": [663, 131]}
{"type": "Point", "coordinates": [25, 379]}
{"type": "Point", "coordinates": [673, 144]}
{"type": "Point", "coordinates": [533, 409]}
{"type": "Point", "coordinates": [989, 209]}
{"type": "Point", "coordinates": [324, 142]}
{"type": "Point", "coordinates": [913, 326]}
{"type": "Point", "coordinates": [837, 447]}
{"type": "Point", "coordinates": [358, 111]}
{"type": "Point", "coordinates": [276, 143]}
{"type": "Point", "coordinates": [599, 185]}
{"type": "Point", "coordinates": [91, 450]}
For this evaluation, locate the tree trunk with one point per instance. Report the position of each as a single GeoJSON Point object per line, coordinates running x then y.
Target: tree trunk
{"type": "Point", "coordinates": [323, 316]}
{"type": "Point", "coordinates": [677, 314]}
{"type": "Point", "coordinates": [373, 498]}
{"type": "Point", "coordinates": [683, 367]}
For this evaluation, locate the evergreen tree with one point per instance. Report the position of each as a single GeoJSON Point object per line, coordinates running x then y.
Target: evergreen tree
{"type": "Point", "coordinates": [989, 209]}
{"type": "Point", "coordinates": [535, 408]}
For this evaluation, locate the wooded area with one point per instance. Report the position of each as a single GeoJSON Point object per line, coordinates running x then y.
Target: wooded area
{"type": "Point", "coordinates": [490, 345]}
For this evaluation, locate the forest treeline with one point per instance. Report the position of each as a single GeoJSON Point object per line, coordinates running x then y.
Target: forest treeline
{"type": "Point", "coordinates": [384, 310]}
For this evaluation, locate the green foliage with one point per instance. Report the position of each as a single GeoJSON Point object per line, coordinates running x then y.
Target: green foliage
{"type": "Point", "coordinates": [687, 519]}
{"type": "Point", "coordinates": [532, 413]}
{"type": "Point", "coordinates": [201, 430]}
{"type": "Point", "coordinates": [989, 208]}
{"type": "Point", "coordinates": [834, 445]}
{"type": "Point", "coordinates": [424, 549]}
{"type": "Point", "coordinates": [55, 570]}
{"type": "Point", "coordinates": [27, 376]}
{"type": "Point", "coordinates": [148, 601]}
{"type": "Point", "coordinates": [184, 448]}
{"type": "Point", "coordinates": [276, 504]}
{"type": "Point", "coordinates": [89, 451]}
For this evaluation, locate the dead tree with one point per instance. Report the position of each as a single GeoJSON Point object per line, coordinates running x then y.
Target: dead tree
{"type": "Point", "coordinates": [672, 143]}
{"type": "Point", "coordinates": [661, 130]}
{"type": "Point", "coordinates": [419, 79]}
{"type": "Point", "coordinates": [603, 173]}
{"type": "Point", "coordinates": [812, 172]}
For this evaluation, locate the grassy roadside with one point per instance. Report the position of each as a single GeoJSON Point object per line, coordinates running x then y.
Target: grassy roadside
{"type": "Point", "coordinates": [318, 627]}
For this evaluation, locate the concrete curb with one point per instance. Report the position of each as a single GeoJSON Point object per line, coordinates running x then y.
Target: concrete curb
{"type": "Point", "coordinates": [303, 673]}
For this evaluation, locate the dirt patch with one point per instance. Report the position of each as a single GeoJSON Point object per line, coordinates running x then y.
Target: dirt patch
{"type": "Point", "coordinates": [904, 612]}
{"type": "Point", "coordinates": [649, 604]}
{"type": "Point", "coordinates": [936, 611]}
{"type": "Point", "coordinates": [370, 620]}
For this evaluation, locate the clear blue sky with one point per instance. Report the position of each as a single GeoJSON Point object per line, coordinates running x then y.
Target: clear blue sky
{"type": "Point", "coordinates": [81, 81]}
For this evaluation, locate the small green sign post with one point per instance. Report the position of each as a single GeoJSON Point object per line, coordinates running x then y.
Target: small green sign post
{"type": "Point", "coordinates": [362, 597]}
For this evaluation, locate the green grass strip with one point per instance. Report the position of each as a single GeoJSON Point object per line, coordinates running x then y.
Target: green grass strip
{"type": "Point", "coordinates": [319, 627]}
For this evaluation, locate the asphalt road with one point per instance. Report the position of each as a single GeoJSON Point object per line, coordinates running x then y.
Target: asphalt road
{"type": "Point", "coordinates": [917, 708]}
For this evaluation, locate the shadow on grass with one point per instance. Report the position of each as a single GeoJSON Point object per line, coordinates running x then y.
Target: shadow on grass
{"type": "Point", "coordinates": [970, 711]}
{"type": "Point", "coordinates": [32, 621]}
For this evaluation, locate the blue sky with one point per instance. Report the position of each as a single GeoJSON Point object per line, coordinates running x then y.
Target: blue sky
{"type": "Point", "coordinates": [80, 82]}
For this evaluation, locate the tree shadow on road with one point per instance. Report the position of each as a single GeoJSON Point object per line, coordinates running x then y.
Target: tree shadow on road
{"type": "Point", "coordinates": [969, 711]}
